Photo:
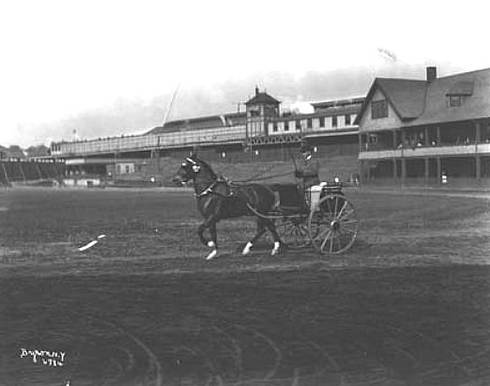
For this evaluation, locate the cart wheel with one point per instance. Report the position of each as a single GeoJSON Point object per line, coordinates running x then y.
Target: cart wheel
{"type": "Point", "coordinates": [333, 224]}
{"type": "Point", "coordinates": [293, 231]}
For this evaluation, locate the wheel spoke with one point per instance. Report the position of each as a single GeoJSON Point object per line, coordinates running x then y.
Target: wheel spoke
{"type": "Point", "coordinates": [349, 231]}
{"type": "Point", "coordinates": [346, 214]}
{"type": "Point", "coordinates": [342, 209]}
{"type": "Point", "coordinates": [338, 241]}
{"type": "Point", "coordinates": [348, 222]}
{"type": "Point", "coordinates": [322, 233]}
{"type": "Point", "coordinates": [336, 199]}
{"type": "Point", "coordinates": [332, 240]}
{"type": "Point", "coordinates": [326, 239]}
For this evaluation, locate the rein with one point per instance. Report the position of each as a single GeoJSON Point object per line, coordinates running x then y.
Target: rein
{"type": "Point", "coordinates": [265, 178]}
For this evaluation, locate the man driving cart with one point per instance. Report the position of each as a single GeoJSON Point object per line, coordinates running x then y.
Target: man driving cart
{"type": "Point", "coordinates": [307, 172]}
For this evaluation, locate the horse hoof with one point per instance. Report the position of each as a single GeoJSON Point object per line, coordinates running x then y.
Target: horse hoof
{"type": "Point", "coordinates": [212, 255]}
{"type": "Point", "coordinates": [275, 250]}
{"type": "Point", "coordinates": [246, 250]}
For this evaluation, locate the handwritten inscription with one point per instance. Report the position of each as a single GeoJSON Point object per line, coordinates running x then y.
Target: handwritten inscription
{"type": "Point", "coordinates": [43, 357]}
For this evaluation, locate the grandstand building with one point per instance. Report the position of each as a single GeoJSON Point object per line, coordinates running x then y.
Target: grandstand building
{"type": "Point", "coordinates": [428, 131]}
{"type": "Point", "coordinates": [262, 133]}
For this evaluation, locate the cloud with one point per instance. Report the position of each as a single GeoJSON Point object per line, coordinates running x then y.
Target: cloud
{"type": "Point", "coordinates": [135, 115]}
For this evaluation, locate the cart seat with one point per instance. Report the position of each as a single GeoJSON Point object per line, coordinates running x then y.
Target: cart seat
{"type": "Point", "coordinates": [288, 195]}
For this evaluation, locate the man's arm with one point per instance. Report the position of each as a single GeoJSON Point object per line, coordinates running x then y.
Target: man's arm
{"type": "Point", "coordinates": [311, 170]}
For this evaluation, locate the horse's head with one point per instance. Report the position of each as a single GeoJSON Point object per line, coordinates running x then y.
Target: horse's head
{"type": "Point", "coordinates": [191, 169]}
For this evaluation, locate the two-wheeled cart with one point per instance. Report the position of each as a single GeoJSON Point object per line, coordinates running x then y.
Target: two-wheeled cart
{"type": "Point", "coordinates": [323, 218]}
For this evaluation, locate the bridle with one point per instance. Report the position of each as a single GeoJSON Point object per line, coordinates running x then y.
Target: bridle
{"type": "Point", "coordinates": [196, 168]}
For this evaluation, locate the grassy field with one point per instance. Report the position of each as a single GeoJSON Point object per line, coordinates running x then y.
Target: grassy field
{"type": "Point", "coordinates": [409, 304]}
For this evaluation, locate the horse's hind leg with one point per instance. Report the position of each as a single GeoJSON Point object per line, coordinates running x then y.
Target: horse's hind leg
{"type": "Point", "coordinates": [260, 231]}
{"type": "Point", "coordinates": [272, 229]}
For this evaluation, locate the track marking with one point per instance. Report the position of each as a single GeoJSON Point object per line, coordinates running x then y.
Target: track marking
{"type": "Point", "coordinates": [154, 363]}
{"type": "Point", "coordinates": [331, 360]}
{"type": "Point", "coordinates": [238, 353]}
{"type": "Point", "coordinates": [271, 343]}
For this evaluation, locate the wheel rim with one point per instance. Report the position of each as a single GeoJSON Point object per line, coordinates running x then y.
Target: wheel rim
{"type": "Point", "coordinates": [293, 231]}
{"type": "Point", "coordinates": [333, 225]}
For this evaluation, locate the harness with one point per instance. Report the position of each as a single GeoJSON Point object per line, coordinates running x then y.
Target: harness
{"type": "Point", "coordinates": [213, 184]}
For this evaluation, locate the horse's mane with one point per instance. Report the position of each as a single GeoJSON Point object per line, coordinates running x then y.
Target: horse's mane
{"type": "Point", "coordinates": [206, 165]}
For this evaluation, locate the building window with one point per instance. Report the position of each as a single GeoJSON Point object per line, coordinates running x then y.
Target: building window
{"type": "Point", "coordinates": [347, 119]}
{"type": "Point", "coordinates": [309, 123]}
{"type": "Point", "coordinates": [454, 100]}
{"type": "Point", "coordinates": [379, 109]}
{"type": "Point", "coordinates": [298, 125]}
{"type": "Point", "coordinates": [274, 127]}
{"type": "Point", "coordinates": [321, 121]}
{"type": "Point", "coordinates": [286, 125]}
{"type": "Point", "coordinates": [334, 121]}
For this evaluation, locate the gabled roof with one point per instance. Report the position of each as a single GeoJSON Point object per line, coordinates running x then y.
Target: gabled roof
{"type": "Point", "coordinates": [261, 98]}
{"type": "Point", "coordinates": [406, 96]}
{"type": "Point", "coordinates": [418, 102]}
{"type": "Point", "coordinates": [474, 106]}
{"type": "Point", "coordinates": [338, 103]}
{"type": "Point", "coordinates": [201, 123]}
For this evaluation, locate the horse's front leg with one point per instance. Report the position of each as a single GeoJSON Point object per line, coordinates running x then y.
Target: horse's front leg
{"type": "Point", "coordinates": [210, 224]}
{"type": "Point", "coordinates": [213, 243]}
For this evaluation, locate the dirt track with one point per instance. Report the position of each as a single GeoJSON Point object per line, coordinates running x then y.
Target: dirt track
{"type": "Point", "coordinates": [408, 305]}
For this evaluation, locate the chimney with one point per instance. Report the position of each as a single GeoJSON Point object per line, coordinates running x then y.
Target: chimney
{"type": "Point", "coordinates": [256, 90]}
{"type": "Point", "coordinates": [431, 73]}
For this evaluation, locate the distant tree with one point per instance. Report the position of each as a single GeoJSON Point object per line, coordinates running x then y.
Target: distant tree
{"type": "Point", "coordinates": [3, 152]}
{"type": "Point", "coordinates": [37, 151]}
{"type": "Point", "coordinates": [15, 151]}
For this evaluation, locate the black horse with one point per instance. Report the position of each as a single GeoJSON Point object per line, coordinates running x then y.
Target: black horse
{"type": "Point", "coordinates": [217, 199]}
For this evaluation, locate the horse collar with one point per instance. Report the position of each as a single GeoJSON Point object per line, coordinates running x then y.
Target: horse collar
{"type": "Point", "coordinates": [208, 190]}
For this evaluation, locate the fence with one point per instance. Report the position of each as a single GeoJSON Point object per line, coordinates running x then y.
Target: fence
{"type": "Point", "coordinates": [11, 171]}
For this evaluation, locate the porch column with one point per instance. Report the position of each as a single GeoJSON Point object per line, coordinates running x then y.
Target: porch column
{"type": "Point", "coordinates": [426, 174]}
{"type": "Point", "coordinates": [426, 136]}
{"type": "Point", "coordinates": [362, 168]}
{"type": "Point", "coordinates": [439, 169]}
{"type": "Point", "coordinates": [477, 132]}
{"type": "Point", "coordinates": [404, 170]}
{"type": "Point", "coordinates": [394, 139]}
{"type": "Point", "coordinates": [478, 168]}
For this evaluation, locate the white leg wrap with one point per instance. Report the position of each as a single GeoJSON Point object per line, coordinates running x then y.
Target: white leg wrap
{"type": "Point", "coordinates": [246, 250]}
{"type": "Point", "coordinates": [275, 250]}
{"type": "Point", "coordinates": [211, 244]}
{"type": "Point", "coordinates": [212, 255]}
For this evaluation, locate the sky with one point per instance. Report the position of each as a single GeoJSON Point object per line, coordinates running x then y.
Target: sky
{"type": "Point", "coordinates": [96, 68]}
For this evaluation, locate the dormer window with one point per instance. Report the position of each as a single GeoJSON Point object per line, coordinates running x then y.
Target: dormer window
{"type": "Point", "coordinates": [456, 96]}
{"type": "Point", "coordinates": [379, 109]}
{"type": "Point", "coordinates": [454, 100]}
